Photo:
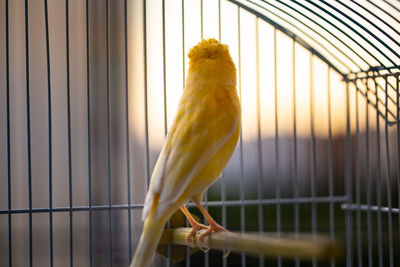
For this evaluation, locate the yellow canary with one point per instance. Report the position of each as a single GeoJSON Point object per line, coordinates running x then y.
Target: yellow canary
{"type": "Point", "coordinates": [197, 148]}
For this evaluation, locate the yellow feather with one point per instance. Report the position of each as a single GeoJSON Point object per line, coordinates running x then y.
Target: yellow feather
{"type": "Point", "coordinates": [200, 143]}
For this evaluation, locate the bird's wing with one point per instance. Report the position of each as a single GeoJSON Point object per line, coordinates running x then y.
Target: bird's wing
{"type": "Point", "coordinates": [194, 139]}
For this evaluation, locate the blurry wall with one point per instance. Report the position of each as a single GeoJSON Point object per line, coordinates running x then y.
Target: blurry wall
{"type": "Point", "coordinates": [107, 161]}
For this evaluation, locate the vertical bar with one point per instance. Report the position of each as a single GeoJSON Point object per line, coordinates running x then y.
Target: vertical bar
{"type": "Point", "coordinates": [330, 167]}
{"type": "Point", "coordinates": [219, 20]}
{"type": "Point", "coordinates": [242, 210]}
{"type": "Point", "coordinates": [8, 137]}
{"type": "Point", "coordinates": [183, 86]}
{"type": "Point", "coordinates": [223, 193]}
{"type": "Point", "coordinates": [169, 262]}
{"type": "Point", "coordinates": [165, 106]}
{"type": "Point", "coordinates": [388, 180]}
{"type": "Point", "coordinates": [46, 16]}
{"type": "Point", "coordinates": [201, 20]}
{"type": "Point", "coordinates": [295, 171]}
{"type": "Point", "coordinates": [379, 182]}
{"type": "Point", "coordinates": [146, 115]}
{"type": "Point", "coordinates": [358, 199]}
{"type": "Point", "coordinates": [183, 44]}
{"type": "Point", "coordinates": [69, 134]}
{"type": "Point", "coordinates": [108, 133]}
{"type": "Point", "coordinates": [313, 153]}
{"type": "Point", "coordinates": [164, 71]}
{"type": "Point", "coordinates": [28, 122]}
{"type": "Point", "coordinates": [128, 161]}
{"type": "Point", "coordinates": [369, 190]}
{"type": "Point", "coordinates": [223, 208]}
{"type": "Point", "coordinates": [348, 181]}
{"type": "Point", "coordinates": [398, 144]}
{"type": "Point", "coordinates": [89, 137]}
{"type": "Point", "coordinates": [278, 184]}
{"type": "Point", "coordinates": [259, 143]}
{"type": "Point", "coordinates": [206, 254]}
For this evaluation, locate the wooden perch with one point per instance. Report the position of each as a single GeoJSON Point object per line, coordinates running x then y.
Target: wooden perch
{"type": "Point", "coordinates": [286, 245]}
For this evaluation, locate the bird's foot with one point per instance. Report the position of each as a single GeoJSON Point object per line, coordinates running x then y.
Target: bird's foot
{"type": "Point", "coordinates": [213, 228]}
{"type": "Point", "coordinates": [196, 227]}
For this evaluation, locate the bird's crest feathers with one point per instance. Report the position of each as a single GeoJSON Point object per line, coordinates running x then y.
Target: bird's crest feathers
{"type": "Point", "coordinates": [208, 49]}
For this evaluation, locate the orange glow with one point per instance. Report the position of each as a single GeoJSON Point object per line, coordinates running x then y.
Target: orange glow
{"type": "Point", "coordinates": [175, 72]}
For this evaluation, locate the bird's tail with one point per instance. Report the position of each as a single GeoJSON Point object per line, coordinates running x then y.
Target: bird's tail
{"type": "Point", "coordinates": [151, 235]}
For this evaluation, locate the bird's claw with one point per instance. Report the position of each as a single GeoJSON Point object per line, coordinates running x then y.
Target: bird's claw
{"type": "Point", "coordinates": [227, 254]}
{"type": "Point", "coordinates": [192, 234]}
{"type": "Point", "coordinates": [213, 228]}
{"type": "Point", "coordinates": [205, 250]}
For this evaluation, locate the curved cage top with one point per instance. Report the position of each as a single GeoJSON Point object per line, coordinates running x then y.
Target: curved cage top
{"type": "Point", "coordinates": [350, 36]}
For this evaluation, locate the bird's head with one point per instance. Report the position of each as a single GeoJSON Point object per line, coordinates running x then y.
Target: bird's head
{"type": "Point", "coordinates": [209, 49]}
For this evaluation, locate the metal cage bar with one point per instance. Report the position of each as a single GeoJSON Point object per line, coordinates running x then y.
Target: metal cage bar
{"type": "Point", "coordinates": [368, 181]}
{"type": "Point", "coordinates": [388, 184]}
{"type": "Point", "coordinates": [277, 188]}
{"type": "Point", "coordinates": [67, 50]}
{"type": "Point", "coordinates": [357, 182]}
{"type": "Point", "coordinates": [295, 163]}
{"type": "Point", "coordinates": [28, 121]}
{"type": "Point", "coordinates": [50, 133]}
{"type": "Point", "coordinates": [128, 162]}
{"type": "Point", "coordinates": [379, 182]}
{"type": "Point", "coordinates": [108, 131]}
{"type": "Point", "coordinates": [89, 138]}
{"type": "Point", "coordinates": [330, 167]}
{"type": "Point", "coordinates": [398, 143]}
{"type": "Point", "coordinates": [242, 210]}
{"type": "Point", "coordinates": [9, 206]}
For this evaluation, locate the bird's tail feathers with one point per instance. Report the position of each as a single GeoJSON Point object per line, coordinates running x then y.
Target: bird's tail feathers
{"type": "Point", "coordinates": [152, 231]}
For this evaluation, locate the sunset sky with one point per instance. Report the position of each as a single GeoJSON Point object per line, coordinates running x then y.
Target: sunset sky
{"type": "Point", "coordinates": [250, 78]}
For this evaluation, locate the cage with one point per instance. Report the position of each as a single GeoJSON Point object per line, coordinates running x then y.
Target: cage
{"type": "Point", "coordinates": [89, 88]}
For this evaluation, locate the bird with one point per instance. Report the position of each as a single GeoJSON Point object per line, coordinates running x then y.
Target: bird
{"type": "Point", "coordinates": [197, 147]}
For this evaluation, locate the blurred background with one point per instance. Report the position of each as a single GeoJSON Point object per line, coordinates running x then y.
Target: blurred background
{"type": "Point", "coordinates": [88, 90]}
